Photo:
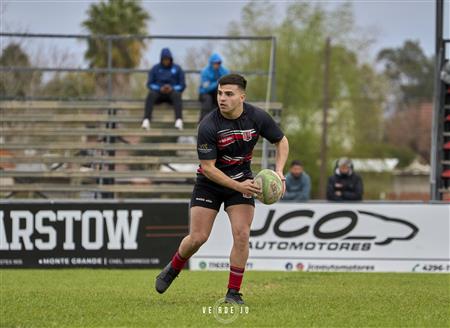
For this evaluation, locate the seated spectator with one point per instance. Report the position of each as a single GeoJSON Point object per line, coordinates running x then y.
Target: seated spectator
{"type": "Point", "coordinates": [208, 84]}
{"type": "Point", "coordinates": [165, 83]}
{"type": "Point", "coordinates": [345, 184]}
{"type": "Point", "coordinates": [298, 183]}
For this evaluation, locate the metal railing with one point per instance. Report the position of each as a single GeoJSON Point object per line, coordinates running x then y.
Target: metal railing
{"type": "Point", "coordinates": [437, 140]}
{"type": "Point", "coordinates": [110, 70]}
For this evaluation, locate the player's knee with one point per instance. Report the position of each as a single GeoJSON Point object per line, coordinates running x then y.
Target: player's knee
{"type": "Point", "coordinates": [241, 238]}
{"type": "Point", "coordinates": [198, 239]}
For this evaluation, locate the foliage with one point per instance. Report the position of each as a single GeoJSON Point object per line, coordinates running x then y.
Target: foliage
{"type": "Point", "coordinates": [410, 72]}
{"type": "Point", "coordinates": [411, 128]}
{"type": "Point", "coordinates": [356, 90]}
{"type": "Point", "coordinates": [17, 84]}
{"type": "Point", "coordinates": [70, 85]}
{"type": "Point", "coordinates": [116, 17]}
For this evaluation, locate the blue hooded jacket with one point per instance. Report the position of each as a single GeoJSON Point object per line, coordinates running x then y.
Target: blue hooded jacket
{"type": "Point", "coordinates": [209, 76]}
{"type": "Point", "coordinates": [160, 75]}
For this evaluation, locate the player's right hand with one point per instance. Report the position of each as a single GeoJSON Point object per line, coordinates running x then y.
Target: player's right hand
{"type": "Point", "coordinates": [248, 187]}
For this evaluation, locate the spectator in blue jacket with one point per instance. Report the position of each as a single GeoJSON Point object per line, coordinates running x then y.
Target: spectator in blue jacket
{"type": "Point", "coordinates": [208, 83]}
{"type": "Point", "coordinates": [165, 83]}
{"type": "Point", "coordinates": [298, 183]}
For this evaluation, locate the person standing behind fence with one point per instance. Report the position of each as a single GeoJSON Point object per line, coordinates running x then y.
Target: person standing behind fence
{"type": "Point", "coordinates": [165, 82]}
{"type": "Point", "coordinates": [208, 84]}
{"type": "Point", "coordinates": [345, 184]}
{"type": "Point", "coordinates": [298, 183]}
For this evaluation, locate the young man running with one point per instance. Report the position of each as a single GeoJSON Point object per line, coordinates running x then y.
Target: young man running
{"type": "Point", "coordinates": [225, 142]}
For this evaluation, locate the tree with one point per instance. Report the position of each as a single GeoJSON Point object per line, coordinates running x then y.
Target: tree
{"type": "Point", "coordinates": [16, 84]}
{"type": "Point", "coordinates": [356, 90]}
{"type": "Point", "coordinates": [410, 72]}
{"type": "Point", "coordinates": [116, 17]}
{"type": "Point", "coordinates": [196, 58]}
{"type": "Point", "coordinates": [70, 85]}
{"type": "Point", "coordinates": [411, 129]}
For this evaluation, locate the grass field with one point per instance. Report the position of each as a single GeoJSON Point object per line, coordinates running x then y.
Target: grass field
{"type": "Point", "coordinates": [113, 298]}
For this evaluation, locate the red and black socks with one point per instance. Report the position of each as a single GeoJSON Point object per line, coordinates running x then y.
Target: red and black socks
{"type": "Point", "coordinates": [235, 280]}
{"type": "Point", "coordinates": [178, 261]}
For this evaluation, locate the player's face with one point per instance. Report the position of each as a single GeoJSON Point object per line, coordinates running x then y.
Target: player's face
{"type": "Point", "coordinates": [230, 98]}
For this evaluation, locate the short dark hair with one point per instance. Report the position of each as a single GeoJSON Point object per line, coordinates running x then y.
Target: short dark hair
{"type": "Point", "coordinates": [296, 162]}
{"type": "Point", "coordinates": [235, 79]}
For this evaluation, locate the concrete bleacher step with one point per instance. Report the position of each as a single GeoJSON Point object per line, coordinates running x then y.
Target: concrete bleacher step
{"type": "Point", "coordinates": [153, 175]}
{"type": "Point", "coordinates": [85, 105]}
{"type": "Point", "coordinates": [105, 147]}
{"type": "Point", "coordinates": [96, 118]}
{"type": "Point", "coordinates": [45, 142]}
{"type": "Point", "coordinates": [125, 188]}
{"type": "Point", "coordinates": [108, 105]}
{"type": "Point", "coordinates": [108, 159]}
{"type": "Point", "coordinates": [97, 132]}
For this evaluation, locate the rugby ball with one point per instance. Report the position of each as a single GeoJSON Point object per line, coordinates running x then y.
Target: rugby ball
{"type": "Point", "coordinates": [271, 186]}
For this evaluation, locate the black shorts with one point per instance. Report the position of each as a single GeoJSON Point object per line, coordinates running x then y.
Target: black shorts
{"type": "Point", "coordinates": [209, 194]}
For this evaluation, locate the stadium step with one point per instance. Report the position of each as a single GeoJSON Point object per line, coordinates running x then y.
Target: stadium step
{"type": "Point", "coordinates": [118, 188]}
{"type": "Point", "coordinates": [108, 105]}
{"type": "Point", "coordinates": [46, 159]}
{"type": "Point", "coordinates": [97, 118]}
{"type": "Point", "coordinates": [98, 132]}
{"type": "Point", "coordinates": [44, 143]}
{"type": "Point", "coordinates": [130, 174]}
{"type": "Point", "coordinates": [105, 147]}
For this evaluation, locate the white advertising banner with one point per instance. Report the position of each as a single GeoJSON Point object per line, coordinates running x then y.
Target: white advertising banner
{"type": "Point", "coordinates": [337, 237]}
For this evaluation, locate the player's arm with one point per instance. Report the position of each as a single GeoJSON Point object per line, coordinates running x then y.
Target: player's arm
{"type": "Point", "coordinates": [214, 174]}
{"type": "Point", "coordinates": [272, 132]}
{"type": "Point", "coordinates": [282, 153]}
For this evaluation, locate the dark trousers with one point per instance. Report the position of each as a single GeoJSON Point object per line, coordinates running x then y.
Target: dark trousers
{"type": "Point", "coordinates": [155, 97]}
{"type": "Point", "coordinates": [208, 101]}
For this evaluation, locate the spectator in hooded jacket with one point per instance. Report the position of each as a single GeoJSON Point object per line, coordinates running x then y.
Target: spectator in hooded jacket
{"type": "Point", "coordinates": [345, 184]}
{"type": "Point", "coordinates": [165, 83]}
{"type": "Point", "coordinates": [298, 183]}
{"type": "Point", "coordinates": [208, 83]}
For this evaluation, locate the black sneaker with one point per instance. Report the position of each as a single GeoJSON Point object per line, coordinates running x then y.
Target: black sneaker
{"type": "Point", "coordinates": [165, 278]}
{"type": "Point", "coordinates": [233, 296]}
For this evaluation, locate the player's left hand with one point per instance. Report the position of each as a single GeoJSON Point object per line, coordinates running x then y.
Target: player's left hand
{"type": "Point", "coordinates": [283, 179]}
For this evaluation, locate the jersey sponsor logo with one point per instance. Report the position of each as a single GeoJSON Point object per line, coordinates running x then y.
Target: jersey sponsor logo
{"type": "Point", "coordinates": [228, 137]}
{"type": "Point", "coordinates": [247, 135]}
{"type": "Point", "coordinates": [204, 148]}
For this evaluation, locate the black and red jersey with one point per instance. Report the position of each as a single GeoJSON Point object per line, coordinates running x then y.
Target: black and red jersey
{"type": "Point", "coordinates": [231, 142]}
